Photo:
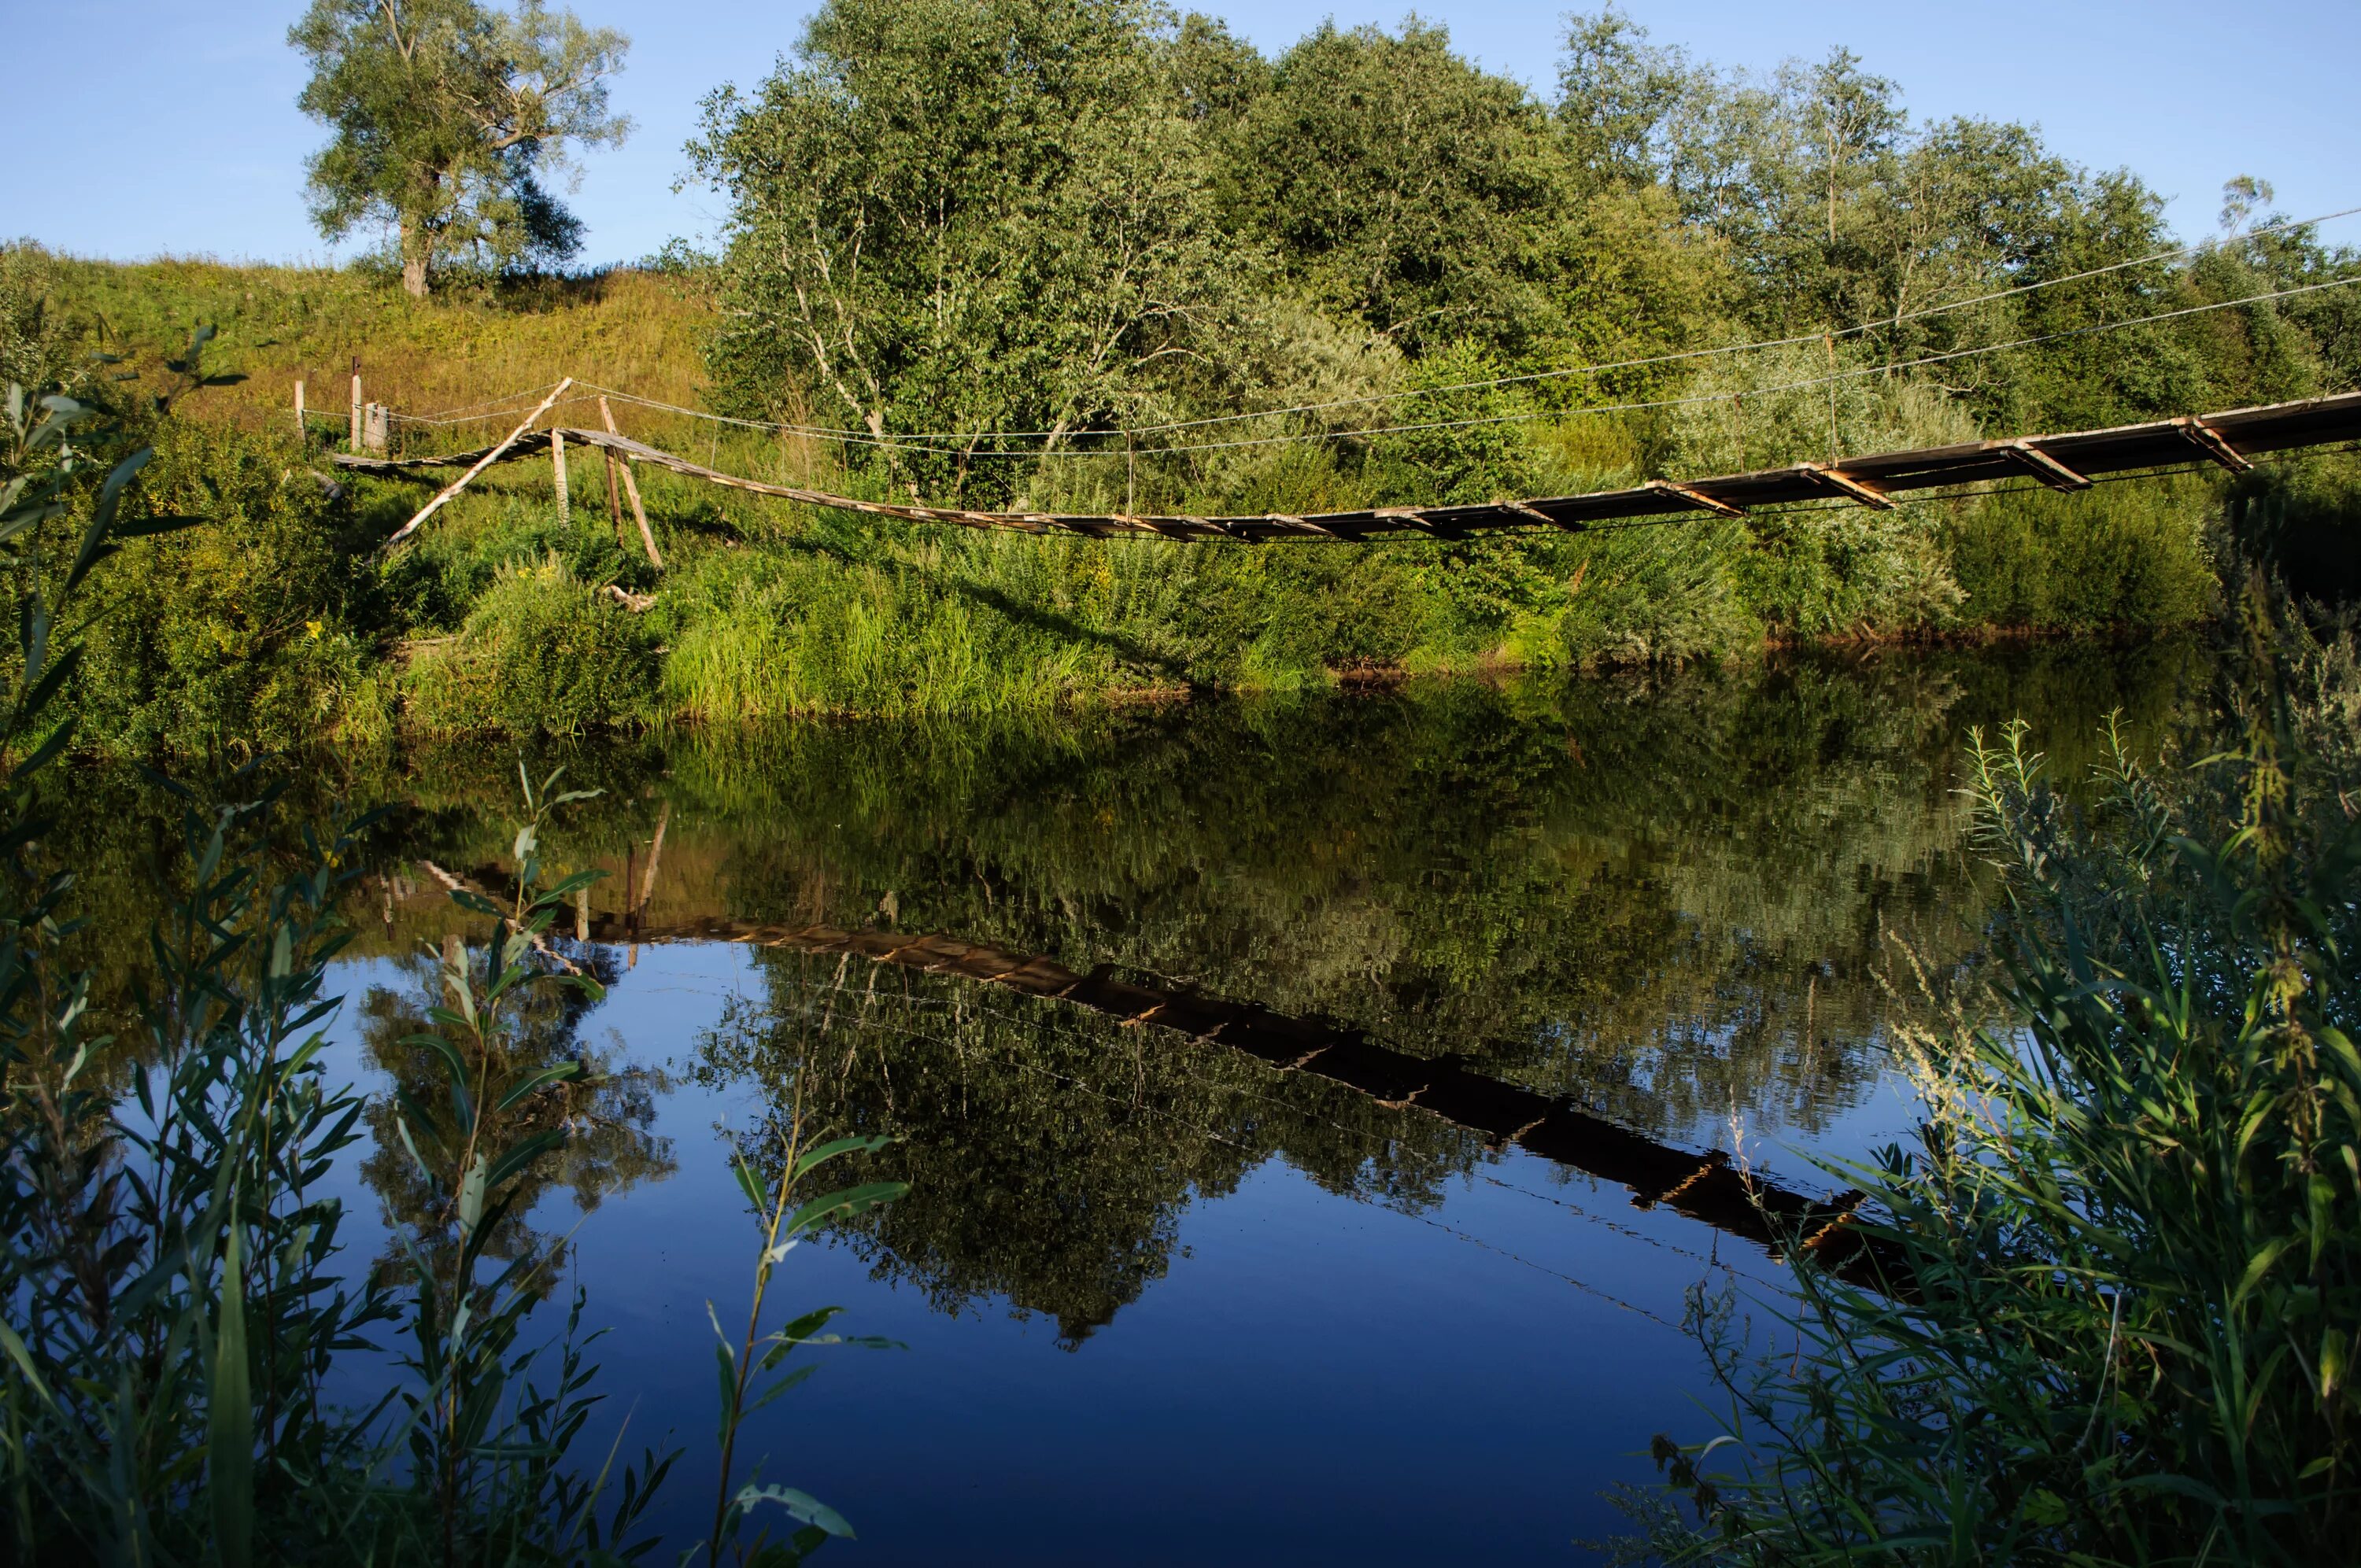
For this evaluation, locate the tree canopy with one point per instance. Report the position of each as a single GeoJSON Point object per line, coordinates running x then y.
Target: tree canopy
{"type": "Point", "coordinates": [985, 215]}
{"type": "Point", "coordinates": [448, 117]}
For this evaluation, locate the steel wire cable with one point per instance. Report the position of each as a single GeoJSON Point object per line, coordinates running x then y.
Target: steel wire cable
{"type": "Point", "coordinates": [918, 445]}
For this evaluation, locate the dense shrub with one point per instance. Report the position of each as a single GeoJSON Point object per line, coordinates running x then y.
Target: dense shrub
{"type": "Point", "coordinates": [253, 632]}
{"type": "Point", "coordinates": [2117, 557]}
{"type": "Point", "coordinates": [542, 653]}
{"type": "Point", "coordinates": [433, 583]}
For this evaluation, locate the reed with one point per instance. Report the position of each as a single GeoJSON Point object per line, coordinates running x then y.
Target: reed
{"type": "Point", "coordinates": [2132, 1222]}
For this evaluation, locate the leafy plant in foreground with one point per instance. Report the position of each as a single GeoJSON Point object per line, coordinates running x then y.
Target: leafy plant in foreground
{"type": "Point", "coordinates": [484, 1437]}
{"type": "Point", "coordinates": [2131, 1228]}
{"type": "Point", "coordinates": [167, 1269]}
{"type": "Point", "coordinates": [176, 1302]}
{"type": "Point", "coordinates": [750, 1375]}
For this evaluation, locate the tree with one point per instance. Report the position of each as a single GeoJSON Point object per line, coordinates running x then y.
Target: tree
{"type": "Point", "coordinates": [446, 115]}
{"type": "Point", "coordinates": [1404, 186]}
{"type": "Point", "coordinates": [1618, 94]}
{"type": "Point", "coordinates": [971, 215]}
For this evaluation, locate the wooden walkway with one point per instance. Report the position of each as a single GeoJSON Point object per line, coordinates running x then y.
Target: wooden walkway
{"type": "Point", "coordinates": [2231, 440]}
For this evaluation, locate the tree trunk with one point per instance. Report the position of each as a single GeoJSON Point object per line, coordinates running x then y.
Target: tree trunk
{"type": "Point", "coordinates": [414, 241]}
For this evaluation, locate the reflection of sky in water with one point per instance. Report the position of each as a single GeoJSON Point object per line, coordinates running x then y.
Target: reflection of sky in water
{"type": "Point", "coordinates": [1302, 1325]}
{"type": "Point", "coordinates": [1316, 1377]}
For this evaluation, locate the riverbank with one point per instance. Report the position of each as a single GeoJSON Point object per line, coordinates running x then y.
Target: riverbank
{"type": "Point", "coordinates": [280, 623]}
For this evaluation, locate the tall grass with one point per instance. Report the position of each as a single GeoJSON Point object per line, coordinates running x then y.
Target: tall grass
{"type": "Point", "coordinates": [2122, 1326]}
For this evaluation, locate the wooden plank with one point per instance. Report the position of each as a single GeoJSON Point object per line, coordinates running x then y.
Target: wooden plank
{"type": "Point", "coordinates": [1695, 498]}
{"type": "Point", "coordinates": [2045, 468]}
{"type": "Point", "coordinates": [485, 461]}
{"type": "Point", "coordinates": [1845, 484]}
{"type": "Point", "coordinates": [2217, 446]}
{"type": "Point", "coordinates": [614, 494]}
{"type": "Point", "coordinates": [631, 489]}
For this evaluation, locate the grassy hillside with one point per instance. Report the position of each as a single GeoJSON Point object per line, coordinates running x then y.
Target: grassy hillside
{"type": "Point", "coordinates": [635, 330]}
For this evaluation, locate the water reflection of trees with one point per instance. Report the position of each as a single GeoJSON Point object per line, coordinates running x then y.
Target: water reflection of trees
{"type": "Point", "coordinates": [1667, 899]}
{"type": "Point", "coordinates": [1050, 1156]}
{"type": "Point", "coordinates": [608, 1110]}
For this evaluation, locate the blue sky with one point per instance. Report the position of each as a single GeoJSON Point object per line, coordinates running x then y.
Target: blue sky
{"type": "Point", "coordinates": [168, 127]}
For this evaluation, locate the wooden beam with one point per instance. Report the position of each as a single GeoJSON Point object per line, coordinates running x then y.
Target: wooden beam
{"type": "Point", "coordinates": [614, 494]}
{"type": "Point", "coordinates": [1867, 495]}
{"type": "Point", "coordinates": [2212, 443]}
{"type": "Point", "coordinates": [1695, 498]}
{"type": "Point", "coordinates": [631, 489]}
{"type": "Point", "coordinates": [2045, 468]}
{"type": "Point", "coordinates": [1416, 516]}
{"type": "Point", "coordinates": [485, 461]}
{"type": "Point", "coordinates": [1302, 525]}
{"type": "Point", "coordinates": [1527, 509]}
{"type": "Point", "coordinates": [557, 474]}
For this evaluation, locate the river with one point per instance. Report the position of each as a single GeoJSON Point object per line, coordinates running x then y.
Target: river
{"type": "Point", "coordinates": [1375, 1256]}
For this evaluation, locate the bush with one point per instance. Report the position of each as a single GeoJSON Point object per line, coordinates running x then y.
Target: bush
{"type": "Point", "coordinates": [541, 653]}
{"type": "Point", "coordinates": [2114, 558]}
{"type": "Point", "coordinates": [2120, 1267]}
{"type": "Point", "coordinates": [434, 582]}
{"type": "Point", "coordinates": [250, 634]}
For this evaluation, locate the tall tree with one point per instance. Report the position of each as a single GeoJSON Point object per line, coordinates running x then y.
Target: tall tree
{"type": "Point", "coordinates": [979, 215]}
{"type": "Point", "coordinates": [1405, 186]}
{"type": "Point", "coordinates": [446, 114]}
{"type": "Point", "coordinates": [1618, 96]}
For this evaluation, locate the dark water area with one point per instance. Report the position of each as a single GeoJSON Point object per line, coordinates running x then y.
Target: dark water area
{"type": "Point", "coordinates": [1342, 1207]}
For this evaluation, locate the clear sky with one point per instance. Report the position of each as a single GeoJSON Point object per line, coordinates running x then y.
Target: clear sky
{"type": "Point", "coordinates": [168, 127]}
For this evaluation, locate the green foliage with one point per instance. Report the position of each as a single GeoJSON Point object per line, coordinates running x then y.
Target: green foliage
{"type": "Point", "coordinates": [2118, 1305]}
{"type": "Point", "coordinates": [969, 215]}
{"type": "Point", "coordinates": [446, 113]}
{"type": "Point", "coordinates": [542, 653]}
{"type": "Point", "coordinates": [1172, 274]}
{"type": "Point", "coordinates": [176, 1296]}
{"type": "Point", "coordinates": [1401, 186]}
{"type": "Point", "coordinates": [37, 340]}
{"type": "Point", "coordinates": [751, 1370]}
{"type": "Point", "coordinates": [2111, 559]}
{"type": "Point", "coordinates": [251, 634]}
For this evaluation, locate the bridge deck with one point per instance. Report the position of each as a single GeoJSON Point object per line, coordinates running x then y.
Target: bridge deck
{"type": "Point", "coordinates": [2068, 462]}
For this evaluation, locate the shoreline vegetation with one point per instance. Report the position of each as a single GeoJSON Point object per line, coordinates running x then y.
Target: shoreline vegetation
{"type": "Point", "coordinates": [280, 624]}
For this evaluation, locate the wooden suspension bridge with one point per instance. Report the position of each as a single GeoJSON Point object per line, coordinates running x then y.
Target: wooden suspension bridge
{"type": "Point", "coordinates": [2231, 440]}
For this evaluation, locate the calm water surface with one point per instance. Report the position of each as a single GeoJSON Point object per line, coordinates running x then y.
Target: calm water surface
{"type": "Point", "coordinates": [1379, 1271]}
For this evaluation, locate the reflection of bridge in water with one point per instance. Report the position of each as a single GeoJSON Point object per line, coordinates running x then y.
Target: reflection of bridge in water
{"type": "Point", "coordinates": [1706, 1187]}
